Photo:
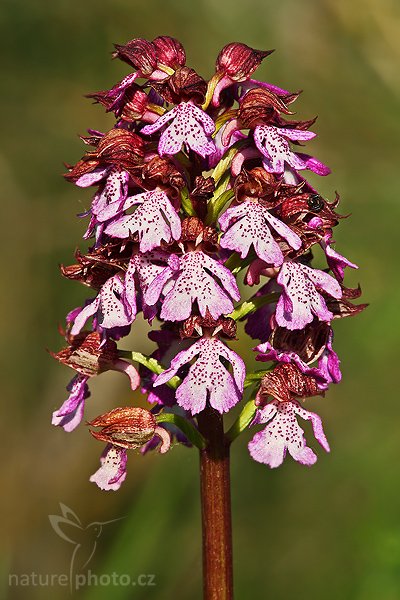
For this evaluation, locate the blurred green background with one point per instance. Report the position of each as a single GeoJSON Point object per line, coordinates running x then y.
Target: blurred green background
{"type": "Point", "coordinates": [330, 532]}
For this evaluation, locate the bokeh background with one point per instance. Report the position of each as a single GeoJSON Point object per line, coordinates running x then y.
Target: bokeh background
{"type": "Point", "coordinates": [332, 531]}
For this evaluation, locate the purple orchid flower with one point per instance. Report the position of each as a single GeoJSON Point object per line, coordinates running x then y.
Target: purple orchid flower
{"type": "Point", "coordinates": [190, 126]}
{"type": "Point", "coordinates": [70, 414]}
{"type": "Point", "coordinates": [112, 472]}
{"type": "Point", "coordinates": [249, 224]}
{"type": "Point", "coordinates": [147, 266]}
{"type": "Point", "coordinates": [273, 144]}
{"type": "Point", "coordinates": [207, 377]}
{"type": "Point", "coordinates": [300, 300]}
{"type": "Point", "coordinates": [186, 279]}
{"type": "Point", "coordinates": [154, 220]}
{"type": "Point", "coordinates": [283, 433]}
{"type": "Point", "coordinates": [114, 192]}
{"type": "Point", "coordinates": [110, 307]}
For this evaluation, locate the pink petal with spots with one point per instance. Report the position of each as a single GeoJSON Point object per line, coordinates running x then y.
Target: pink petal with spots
{"type": "Point", "coordinates": [296, 134]}
{"type": "Point", "coordinates": [148, 266]}
{"type": "Point", "coordinates": [155, 288]}
{"type": "Point", "coordinates": [190, 126]}
{"type": "Point", "coordinates": [109, 201]}
{"type": "Point", "coordinates": [324, 281]}
{"type": "Point", "coordinates": [161, 121]}
{"type": "Point", "coordinates": [154, 220]}
{"type": "Point", "coordinates": [248, 224]}
{"type": "Point", "coordinates": [112, 310]}
{"type": "Point", "coordinates": [109, 307]}
{"type": "Point", "coordinates": [191, 283]}
{"type": "Point", "coordinates": [273, 144]}
{"type": "Point", "coordinates": [207, 377]}
{"type": "Point", "coordinates": [112, 472]}
{"type": "Point", "coordinates": [283, 434]}
{"type": "Point", "coordinates": [92, 178]}
{"type": "Point", "coordinates": [316, 423]}
{"type": "Point", "coordinates": [313, 164]}
{"type": "Point", "coordinates": [301, 300]}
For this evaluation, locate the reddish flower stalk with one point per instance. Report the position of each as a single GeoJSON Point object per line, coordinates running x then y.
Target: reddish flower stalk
{"type": "Point", "coordinates": [216, 508]}
{"type": "Point", "coordinates": [196, 182]}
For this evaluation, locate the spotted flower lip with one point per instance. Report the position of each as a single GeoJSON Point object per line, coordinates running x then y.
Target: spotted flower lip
{"type": "Point", "coordinates": [249, 224]}
{"type": "Point", "coordinates": [283, 434]}
{"type": "Point", "coordinates": [300, 299]}
{"type": "Point", "coordinates": [189, 278]}
{"type": "Point", "coordinates": [190, 126]}
{"type": "Point", "coordinates": [207, 377]}
{"type": "Point", "coordinates": [112, 472]}
{"type": "Point", "coordinates": [114, 192]}
{"type": "Point", "coordinates": [154, 220]}
{"type": "Point", "coordinates": [109, 306]}
{"type": "Point", "coordinates": [273, 144]}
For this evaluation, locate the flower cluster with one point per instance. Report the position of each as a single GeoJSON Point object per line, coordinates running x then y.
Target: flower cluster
{"type": "Point", "coordinates": [200, 186]}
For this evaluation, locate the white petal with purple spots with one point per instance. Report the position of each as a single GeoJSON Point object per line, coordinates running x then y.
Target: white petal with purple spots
{"type": "Point", "coordinates": [112, 472]}
{"type": "Point", "coordinates": [154, 220]}
{"type": "Point", "coordinates": [249, 224]}
{"type": "Point", "coordinates": [300, 300]}
{"type": "Point", "coordinates": [190, 126]}
{"type": "Point", "coordinates": [207, 379]}
{"type": "Point", "coordinates": [283, 433]}
{"type": "Point", "coordinates": [192, 282]}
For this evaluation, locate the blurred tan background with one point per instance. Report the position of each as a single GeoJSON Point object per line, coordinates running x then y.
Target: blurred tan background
{"type": "Point", "coordinates": [330, 532]}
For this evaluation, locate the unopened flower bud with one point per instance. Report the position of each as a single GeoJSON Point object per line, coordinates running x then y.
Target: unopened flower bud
{"type": "Point", "coordinates": [138, 53]}
{"type": "Point", "coordinates": [169, 51]}
{"type": "Point", "coordinates": [87, 355]}
{"type": "Point", "coordinates": [285, 383]}
{"type": "Point", "coordinates": [259, 106]}
{"type": "Point", "coordinates": [121, 148]}
{"type": "Point", "coordinates": [239, 61]}
{"type": "Point", "coordinates": [130, 427]}
{"type": "Point", "coordinates": [184, 85]}
{"type": "Point", "coordinates": [192, 228]}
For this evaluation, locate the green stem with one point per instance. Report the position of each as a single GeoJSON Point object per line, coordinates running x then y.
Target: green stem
{"type": "Point", "coordinates": [216, 205]}
{"type": "Point", "coordinates": [186, 203]}
{"type": "Point", "coordinates": [249, 306]}
{"type": "Point", "coordinates": [243, 421]}
{"type": "Point", "coordinates": [192, 434]}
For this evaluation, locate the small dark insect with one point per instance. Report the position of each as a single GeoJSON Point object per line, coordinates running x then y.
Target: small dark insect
{"type": "Point", "coordinates": [316, 203]}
